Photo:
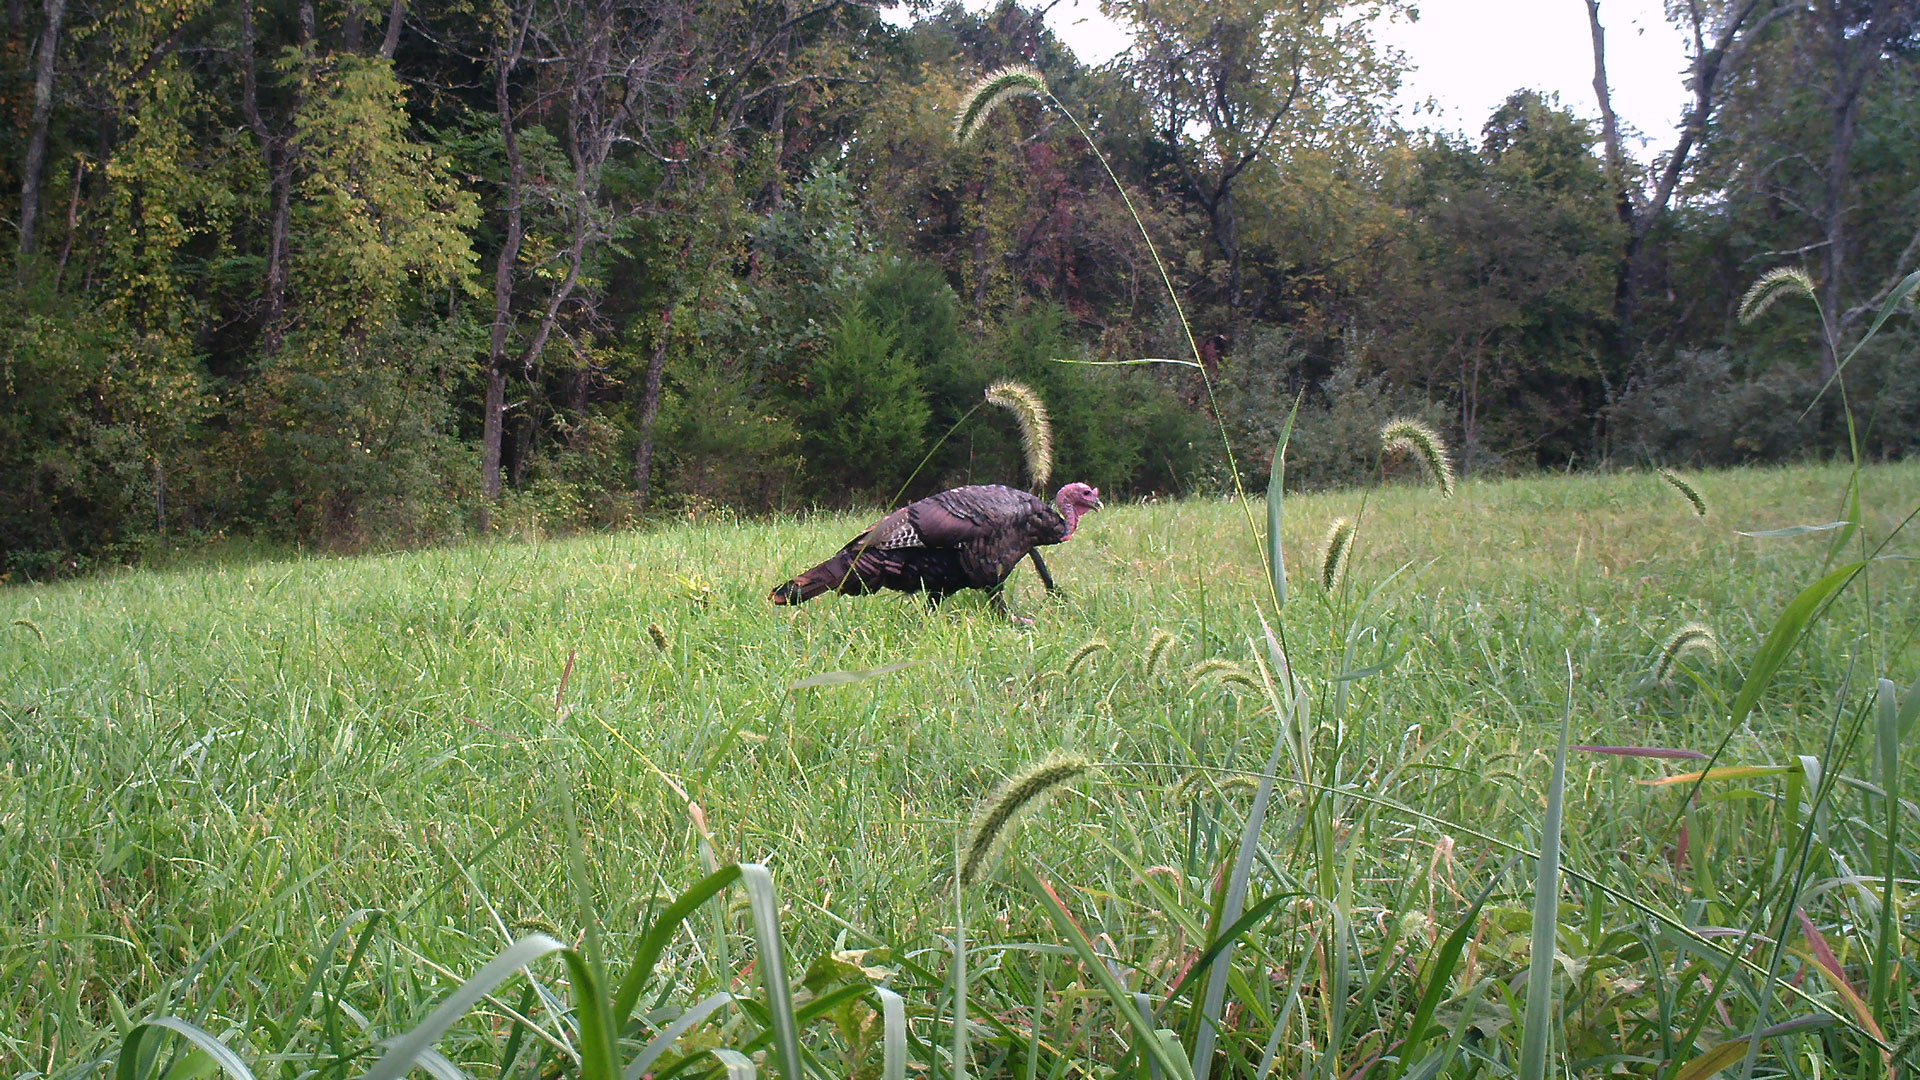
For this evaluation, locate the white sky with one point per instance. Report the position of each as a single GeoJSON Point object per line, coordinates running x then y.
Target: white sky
{"type": "Point", "coordinates": [1468, 55]}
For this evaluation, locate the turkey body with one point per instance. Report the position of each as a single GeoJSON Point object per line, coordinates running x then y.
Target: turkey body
{"type": "Point", "coordinates": [964, 538]}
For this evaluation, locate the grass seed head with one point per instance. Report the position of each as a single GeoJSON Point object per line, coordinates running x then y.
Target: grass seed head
{"type": "Point", "coordinates": [1036, 428]}
{"type": "Point", "coordinates": [991, 91]}
{"type": "Point", "coordinates": [1339, 548]}
{"type": "Point", "coordinates": [659, 636]}
{"type": "Point", "coordinates": [1021, 793]}
{"type": "Point", "coordinates": [1691, 638]}
{"type": "Point", "coordinates": [1083, 653]}
{"type": "Point", "coordinates": [1423, 443]}
{"type": "Point", "coordinates": [1774, 284]}
{"type": "Point", "coordinates": [1187, 786]}
{"type": "Point", "coordinates": [1220, 670]}
{"type": "Point", "coordinates": [1157, 649]}
{"type": "Point", "coordinates": [1684, 488]}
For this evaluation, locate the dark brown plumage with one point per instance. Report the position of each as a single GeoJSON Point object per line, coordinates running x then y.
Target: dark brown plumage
{"type": "Point", "coordinates": [965, 538]}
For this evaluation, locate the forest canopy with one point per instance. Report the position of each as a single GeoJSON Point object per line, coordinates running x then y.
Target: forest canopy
{"type": "Point", "coordinates": [344, 273]}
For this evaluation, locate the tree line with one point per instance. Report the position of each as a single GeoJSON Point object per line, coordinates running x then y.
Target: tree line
{"type": "Point", "coordinates": [350, 273]}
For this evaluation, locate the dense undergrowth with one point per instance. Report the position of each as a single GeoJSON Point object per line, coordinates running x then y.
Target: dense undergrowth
{"type": "Point", "coordinates": [296, 804]}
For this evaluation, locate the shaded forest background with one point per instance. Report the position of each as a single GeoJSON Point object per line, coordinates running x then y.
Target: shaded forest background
{"type": "Point", "coordinates": [344, 273]}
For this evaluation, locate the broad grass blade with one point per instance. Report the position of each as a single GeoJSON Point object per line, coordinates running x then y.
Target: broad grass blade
{"type": "Point", "coordinates": [1786, 631]}
{"type": "Point", "coordinates": [893, 1025]}
{"type": "Point", "coordinates": [739, 1066]}
{"type": "Point", "coordinates": [435, 1064]}
{"type": "Point", "coordinates": [404, 1052]}
{"type": "Point", "coordinates": [1546, 913]}
{"type": "Point", "coordinates": [1900, 292]}
{"type": "Point", "coordinates": [661, 934]}
{"type": "Point", "coordinates": [1909, 710]}
{"type": "Point", "coordinates": [203, 1041]}
{"type": "Point", "coordinates": [765, 905]}
{"type": "Point", "coordinates": [1276, 494]}
{"type": "Point", "coordinates": [1723, 772]}
{"type": "Point", "coordinates": [1228, 937]}
{"type": "Point", "coordinates": [1792, 530]}
{"type": "Point", "coordinates": [1886, 740]}
{"type": "Point", "coordinates": [1163, 1049]}
{"type": "Point", "coordinates": [1214, 1001]}
{"type": "Point", "coordinates": [672, 1032]}
{"type": "Point", "coordinates": [1712, 1061]}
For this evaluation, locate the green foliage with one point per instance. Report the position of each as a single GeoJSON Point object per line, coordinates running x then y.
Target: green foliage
{"type": "Point", "coordinates": [1113, 427]}
{"type": "Point", "coordinates": [724, 445]}
{"type": "Point", "coordinates": [378, 218]}
{"type": "Point", "coordinates": [361, 451]}
{"type": "Point", "coordinates": [1336, 437]}
{"type": "Point", "coordinates": [94, 435]}
{"type": "Point", "coordinates": [240, 219]}
{"type": "Point", "coordinates": [862, 413]}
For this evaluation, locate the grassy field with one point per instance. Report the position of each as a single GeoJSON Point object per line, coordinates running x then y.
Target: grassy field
{"type": "Point", "coordinates": [210, 773]}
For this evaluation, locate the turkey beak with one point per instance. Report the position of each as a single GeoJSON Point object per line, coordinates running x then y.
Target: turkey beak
{"type": "Point", "coordinates": [1096, 500]}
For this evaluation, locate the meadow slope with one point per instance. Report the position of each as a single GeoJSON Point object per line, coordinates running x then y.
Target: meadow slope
{"type": "Point", "coordinates": [206, 771]}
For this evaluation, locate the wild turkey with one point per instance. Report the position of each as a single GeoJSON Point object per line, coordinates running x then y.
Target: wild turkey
{"type": "Point", "coordinates": [965, 538]}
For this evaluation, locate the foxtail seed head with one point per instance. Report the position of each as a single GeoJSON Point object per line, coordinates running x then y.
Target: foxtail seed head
{"type": "Point", "coordinates": [1693, 496]}
{"type": "Point", "coordinates": [1774, 284]}
{"type": "Point", "coordinates": [1220, 670]}
{"type": "Point", "coordinates": [1036, 429]}
{"type": "Point", "coordinates": [1423, 443]}
{"type": "Point", "coordinates": [1691, 638]}
{"type": "Point", "coordinates": [1021, 792]}
{"type": "Point", "coordinates": [1157, 649]}
{"type": "Point", "coordinates": [991, 91]}
{"type": "Point", "coordinates": [1333, 561]}
{"type": "Point", "coordinates": [1083, 653]}
{"type": "Point", "coordinates": [659, 636]}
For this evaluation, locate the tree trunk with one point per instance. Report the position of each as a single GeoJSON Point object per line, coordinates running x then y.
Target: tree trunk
{"type": "Point", "coordinates": [395, 17]}
{"type": "Point", "coordinates": [1846, 116]}
{"type": "Point", "coordinates": [34, 168]}
{"type": "Point", "coordinates": [1227, 232]}
{"type": "Point", "coordinates": [276, 153]}
{"type": "Point", "coordinates": [650, 411]}
{"type": "Point", "coordinates": [493, 411]}
{"type": "Point", "coordinates": [1641, 215]}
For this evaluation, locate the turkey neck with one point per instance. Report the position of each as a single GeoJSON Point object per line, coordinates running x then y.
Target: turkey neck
{"type": "Point", "coordinates": [1072, 514]}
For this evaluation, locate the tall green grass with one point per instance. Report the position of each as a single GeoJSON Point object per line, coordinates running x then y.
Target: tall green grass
{"type": "Point", "coordinates": [297, 806]}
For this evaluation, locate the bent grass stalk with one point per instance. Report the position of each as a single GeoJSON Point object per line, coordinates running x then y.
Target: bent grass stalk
{"type": "Point", "coordinates": [1692, 494]}
{"type": "Point", "coordinates": [1691, 638]}
{"type": "Point", "coordinates": [1426, 446]}
{"type": "Point", "coordinates": [1220, 670]}
{"type": "Point", "coordinates": [1036, 428]}
{"type": "Point", "coordinates": [1336, 552]}
{"type": "Point", "coordinates": [1083, 654]}
{"type": "Point", "coordinates": [1020, 794]}
{"type": "Point", "coordinates": [1157, 649]}
{"type": "Point", "coordinates": [1771, 286]}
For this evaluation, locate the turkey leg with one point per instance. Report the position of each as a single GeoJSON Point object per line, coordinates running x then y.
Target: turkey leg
{"type": "Point", "coordinates": [1040, 565]}
{"type": "Point", "coordinates": [997, 596]}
